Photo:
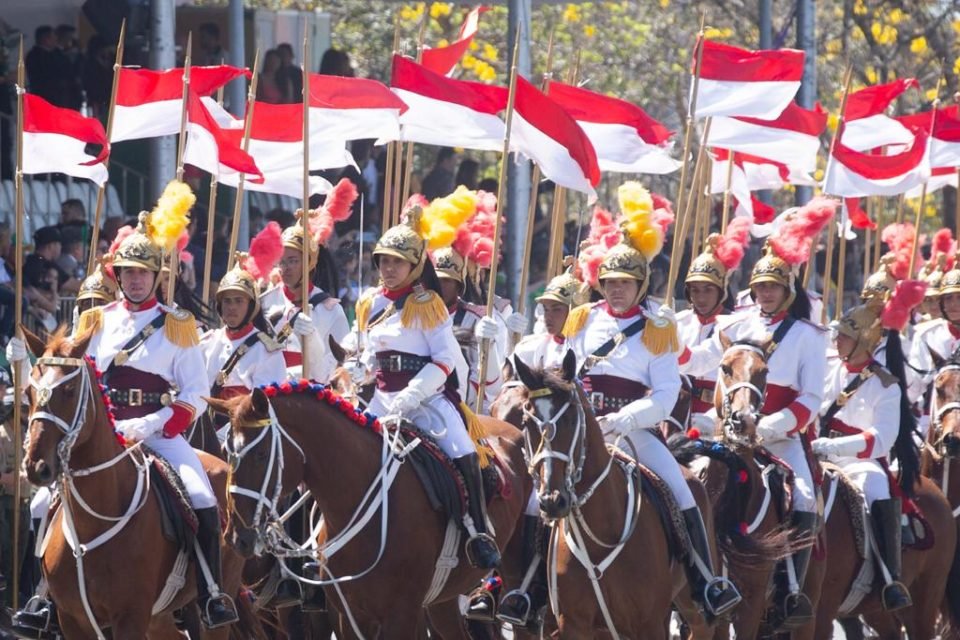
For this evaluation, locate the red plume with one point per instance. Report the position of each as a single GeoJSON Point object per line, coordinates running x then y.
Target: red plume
{"type": "Point", "coordinates": [182, 242]}
{"type": "Point", "coordinates": [942, 243]}
{"type": "Point", "coordinates": [122, 234]}
{"type": "Point", "coordinates": [663, 218]}
{"type": "Point", "coordinates": [186, 256]}
{"type": "Point", "coordinates": [792, 242]}
{"type": "Point", "coordinates": [336, 208]}
{"type": "Point", "coordinates": [733, 242]}
{"type": "Point", "coordinates": [899, 237]}
{"type": "Point", "coordinates": [604, 235]}
{"type": "Point", "coordinates": [474, 239]}
{"type": "Point", "coordinates": [661, 202]}
{"type": "Point", "coordinates": [265, 250]}
{"type": "Point", "coordinates": [416, 200]}
{"type": "Point", "coordinates": [907, 296]}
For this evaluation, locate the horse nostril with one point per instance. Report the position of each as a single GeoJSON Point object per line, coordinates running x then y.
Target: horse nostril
{"type": "Point", "coordinates": [43, 471]}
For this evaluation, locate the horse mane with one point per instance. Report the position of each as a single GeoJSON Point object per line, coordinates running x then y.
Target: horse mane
{"type": "Point", "coordinates": [242, 410]}
{"type": "Point", "coordinates": [60, 343]}
{"type": "Point", "coordinates": [553, 379]}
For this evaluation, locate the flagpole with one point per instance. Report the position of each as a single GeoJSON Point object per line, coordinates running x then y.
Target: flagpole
{"type": "Point", "coordinates": [842, 264]}
{"type": "Point", "coordinates": [247, 124]}
{"type": "Point", "coordinates": [701, 212]}
{"type": "Point", "coordinates": [408, 169]}
{"type": "Point", "coordinates": [211, 216]}
{"type": "Point", "coordinates": [181, 143]}
{"type": "Point", "coordinates": [18, 317]}
{"type": "Point", "coordinates": [305, 218]}
{"type": "Point", "coordinates": [534, 193]}
{"type": "Point", "coordinates": [492, 283]}
{"type": "Point", "coordinates": [95, 232]}
{"type": "Point", "coordinates": [683, 222]}
{"type": "Point", "coordinates": [827, 276]}
{"type": "Point", "coordinates": [726, 193]}
{"type": "Point", "coordinates": [923, 191]}
{"type": "Point", "coordinates": [691, 111]}
{"type": "Point", "coordinates": [877, 237]}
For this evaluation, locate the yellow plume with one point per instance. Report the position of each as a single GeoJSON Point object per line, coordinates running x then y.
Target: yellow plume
{"type": "Point", "coordinates": [442, 217]}
{"type": "Point", "coordinates": [636, 208]}
{"type": "Point", "coordinates": [169, 219]}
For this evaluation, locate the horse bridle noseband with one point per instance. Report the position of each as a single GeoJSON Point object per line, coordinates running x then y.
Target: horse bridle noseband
{"type": "Point", "coordinates": [938, 412]}
{"type": "Point", "coordinates": [44, 390]}
{"type": "Point", "coordinates": [729, 422]}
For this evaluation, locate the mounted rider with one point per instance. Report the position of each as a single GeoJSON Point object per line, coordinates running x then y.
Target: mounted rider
{"type": "Point", "coordinates": [705, 288]}
{"type": "Point", "coordinates": [864, 415]}
{"type": "Point", "coordinates": [625, 348]}
{"type": "Point", "coordinates": [940, 336]}
{"type": "Point", "coordinates": [152, 363]}
{"type": "Point", "coordinates": [408, 343]}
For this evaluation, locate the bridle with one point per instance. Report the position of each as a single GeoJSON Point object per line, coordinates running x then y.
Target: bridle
{"type": "Point", "coordinates": [938, 412]}
{"type": "Point", "coordinates": [732, 422]}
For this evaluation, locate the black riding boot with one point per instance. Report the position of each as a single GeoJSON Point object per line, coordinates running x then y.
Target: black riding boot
{"type": "Point", "coordinates": [525, 608]}
{"type": "Point", "coordinates": [796, 609]}
{"type": "Point", "coordinates": [886, 525]}
{"type": "Point", "coordinates": [314, 598]}
{"type": "Point", "coordinates": [714, 594]}
{"type": "Point", "coordinates": [37, 620]}
{"type": "Point", "coordinates": [482, 551]}
{"type": "Point", "coordinates": [216, 609]}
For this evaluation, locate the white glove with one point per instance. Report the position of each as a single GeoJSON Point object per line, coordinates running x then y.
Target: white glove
{"type": "Point", "coordinates": [16, 350]}
{"type": "Point", "coordinates": [704, 423]}
{"type": "Point", "coordinates": [486, 328]}
{"type": "Point", "coordinates": [838, 447]}
{"type": "Point", "coordinates": [406, 401]}
{"type": "Point", "coordinates": [665, 314]}
{"type": "Point", "coordinates": [303, 325]}
{"type": "Point", "coordinates": [137, 429]}
{"type": "Point", "coordinates": [776, 425]}
{"type": "Point", "coordinates": [618, 423]}
{"type": "Point", "coordinates": [517, 323]}
{"type": "Point", "coordinates": [357, 371]}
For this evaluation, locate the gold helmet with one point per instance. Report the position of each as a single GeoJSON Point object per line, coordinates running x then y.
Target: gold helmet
{"type": "Point", "coordinates": [862, 324]}
{"type": "Point", "coordinates": [292, 238]}
{"type": "Point", "coordinates": [565, 289]}
{"type": "Point", "coordinates": [404, 242]}
{"type": "Point", "coordinates": [932, 274]}
{"type": "Point", "coordinates": [706, 267]}
{"type": "Point", "coordinates": [950, 283]}
{"type": "Point", "coordinates": [138, 250]}
{"type": "Point", "coordinates": [623, 261]}
{"type": "Point", "coordinates": [239, 279]}
{"type": "Point", "coordinates": [449, 264]}
{"type": "Point", "coordinates": [880, 285]}
{"type": "Point", "coordinates": [772, 268]}
{"type": "Point", "coordinates": [641, 242]}
{"type": "Point", "coordinates": [98, 286]}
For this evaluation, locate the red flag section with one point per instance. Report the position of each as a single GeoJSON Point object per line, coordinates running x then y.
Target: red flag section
{"type": "Point", "coordinates": [208, 146]}
{"type": "Point", "coordinates": [55, 140]}
{"type": "Point", "coordinates": [442, 60]}
{"type": "Point", "coordinates": [353, 109]}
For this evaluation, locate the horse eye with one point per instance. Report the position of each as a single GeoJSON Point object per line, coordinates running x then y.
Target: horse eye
{"type": "Point", "coordinates": [725, 368]}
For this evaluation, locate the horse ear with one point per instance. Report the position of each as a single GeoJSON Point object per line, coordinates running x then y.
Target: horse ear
{"type": "Point", "coordinates": [507, 372]}
{"type": "Point", "coordinates": [78, 346]}
{"type": "Point", "coordinates": [220, 406]}
{"type": "Point", "coordinates": [569, 366]}
{"type": "Point", "coordinates": [338, 352]}
{"type": "Point", "coordinates": [34, 343]}
{"type": "Point", "coordinates": [725, 341]}
{"type": "Point", "coordinates": [526, 376]}
{"type": "Point", "coordinates": [938, 360]}
{"type": "Point", "coordinates": [260, 402]}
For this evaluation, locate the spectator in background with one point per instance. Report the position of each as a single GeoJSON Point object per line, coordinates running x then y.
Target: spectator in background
{"type": "Point", "coordinates": [271, 87]}
{"type": "Point", "coordinates": [73, 213]}
{"type": "Point", "coordinates": [289, 73]}
{"type": "Point", "coordinates": [281, 216]}
{"type": "Point", "coordinates": [336, 63]}
{"type": "Point", "coordinates": [48, 70]}
{"type": "Point", "coordinates": [364, 154]}
{"type": "Point", "coordinates": [8, 478]}
{"type": "Point", "coordinates": [40, 281]}
{"type": "Point", "coordinates": [48, 245]}
{"type": "Point", "coordinates": [71, 254]}
{"type": "Point", "coordinates": [7, 293]}
{"type": "Point", "coordinates": [97, 74]}
{"type": "Point", "coordinates": [440, 181]}
{"type": "Point", "coordinates": [211, 52]}
{"type": "Point", "coordinates": [468, 173]}
{"type": "Point", "coordinates": [489, 185]}
{"type": "Point", "coordinates": [70, 49]}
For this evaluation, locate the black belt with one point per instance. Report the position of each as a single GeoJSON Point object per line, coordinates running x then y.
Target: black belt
{"type": "Point", "coordinates": [139, 398]}
{"type": "Point", "coordinates": [606, 403]}
{"type": "Point", "coordinates": [402, 363]}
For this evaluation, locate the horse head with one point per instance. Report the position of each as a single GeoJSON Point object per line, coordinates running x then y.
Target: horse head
{"type": "Point", "coordinates": [342, 382]}
{"type": "Point", "coordinates": [554, 427]}
{"type": "Point", "coordinates": [272, 467]}
{"type": "Point", "coordinates": [62, 404]}
{"type": "Point", "coordinates": [741, 386]}
{"type": "Point", "coordinates": [945, 406]}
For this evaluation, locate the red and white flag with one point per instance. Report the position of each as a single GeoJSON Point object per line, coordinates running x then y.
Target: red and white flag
{"type": "Point", "coordinates": [353, 109]}
{"type": "Point", "coordinates": [55, 141]}
{"type": "Point", "coordinates": [851, 173]}
{"type": "Point", "coordinates": [442, 60]}
{"type": "Point", "coordinates": [866, 124]}
{"type": "Point", "coordinates": [792, 139]}
{"type": "Point", "coordinates": [545, 133]}
{"type": "Point", "coordinates": [940, 177]}
{"type": "Point", "coordinates": [150, 103]}
{"type": "Point", "coordinates": [624, 137]}
{"type": "Point", "coordinates": [944, 137]}
{"type": "Point", "coordinates": [211, 147]}
{"type": "Point", "coordinates": [740, 82]}
{"type": "Point", "coordinates": [447, 112]}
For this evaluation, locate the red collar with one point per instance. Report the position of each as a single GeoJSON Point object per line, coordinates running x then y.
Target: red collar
{"type": "Point", "coordinates": [857, 369]}
{"type": "Point", "coordinates": [706, 320]}
{"type": "Point", "coordinates": [237, 334]}
{"type": "Point", "coordinates": [559, 339]}
{"type": "Point", "coordinates": [632, 312]}
{"type": "Point", "coordinates": [452, 309]}
{"type": "Point", "coordinates": [394, 294]}
{"type": "Point", "coordinates": [954, 329]}
{"type": "Point", "coordinates": [294, 296]}
{"type": "Point", "coordinates": [775, 318]}
{"type": "Point", "coordinates": [149, 303]}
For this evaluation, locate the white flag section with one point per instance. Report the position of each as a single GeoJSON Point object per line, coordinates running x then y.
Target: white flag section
{"type": "Point", "coordinates": [55, 141]}
{"type": "Point", "coordinates": [939, 178]}
{"type": "Point", "coordinates": [874, 132]}
{"type": "Point", "coordinates": [353, 109]}
{"type": "Point", "coordinates": [852, 174]}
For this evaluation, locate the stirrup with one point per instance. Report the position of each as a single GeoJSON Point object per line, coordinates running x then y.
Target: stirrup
{"type": "Point", "coordinates": [797, 611]}
{"type": "Point", "coordinates": [892, 590]}
{"type": "Point", "coordinates": [481, 606]}
{"type": "Point", "coordinates": [227, 615]}
{"type": "Point", "coordinates": [727, 595]}
{"type": "Point", "coordinates": [36, 615]}
{"type": "Point", "coordinates": [480, 539]}
{"type": "Point", "coordinates": [288, 593]}
{"type": "Point", "coordinates": [512, 605]}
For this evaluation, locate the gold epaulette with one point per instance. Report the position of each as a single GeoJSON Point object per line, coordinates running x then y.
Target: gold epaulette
{"type": "Point", "coordinates": [180, 328]}
{"type": "Point", "coordinates": [269, 342]}
{"type": "Point", "coordinates": [90, 321]}
{"type": "Point", "coordinates": [363, 306]}
{"type": "Point", "coordinates": [478, 434]}
{"type": "Point", "coordinates": [423, 310]}
{"type": "Point", "coordinates": [886, 378]}
{"type": "Point", "coordinates": [576, 320]}
{"type": "Point", "coordinates": [660, 336]}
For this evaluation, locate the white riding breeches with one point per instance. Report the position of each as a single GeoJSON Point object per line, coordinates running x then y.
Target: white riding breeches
{"type": "Point", "coordinates": [533, 504]}
{"type": "Point", "coordinates": [791, 451]}
{"type": "Point", "coordinates": [647, 449]}
{"type": "Point", "coordinates": [869, 477]}
{"type": "Point", "coordinates": [178, 452]}
{"type": "Point", "coordinates": [439, 418]}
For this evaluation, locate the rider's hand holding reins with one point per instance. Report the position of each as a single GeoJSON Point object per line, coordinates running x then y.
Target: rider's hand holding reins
{"type": "Point", "coordinates": [837, 447]}
{"type": "Point", "coordinates": [303, 325]}
{"type": "Point", "coordinates": [777, 425]}
{"type": "Point", "coordinates": [427, 382]}
{"type": "Point", "coordinates": [516, 323]}
{"type": "Point", "coordinates": [486, 329]}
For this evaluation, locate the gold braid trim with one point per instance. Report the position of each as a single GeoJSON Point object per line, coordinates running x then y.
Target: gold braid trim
{"type": "Point", "coordinates": [576, 320]}
{"type": "Point", "coordinates": [363, 306]}
{"type": "Point", "coordinates": [423, 310]}
{"type": "Point", "coordinates": [478, 435]}
{"type": "Point", "coordinates": [660, 336]}
{"type": "Point", "coordinates": [90, 320]}
{"type": "Point", "coordinates": [180, 328]}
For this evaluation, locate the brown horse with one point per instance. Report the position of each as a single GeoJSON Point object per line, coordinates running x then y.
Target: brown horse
{"type": "Point", "coordinates": [583, 491]}
{"type": "Point", "coordinates": [105, 496]}
{"type": "Point", "coordinates": [378, 548]}
{"type": "Point", "coordinates": [939, 462]}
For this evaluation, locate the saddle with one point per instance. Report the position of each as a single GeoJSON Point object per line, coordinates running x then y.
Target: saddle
{"type": "Point", "coordinates": [780, 479]}
{"type": "Point", "coordinates": [442, 482]}
{"type": "Point", "coordinates": [656, 490]}
{"type": "Point", "coordinates": [179, 521]}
